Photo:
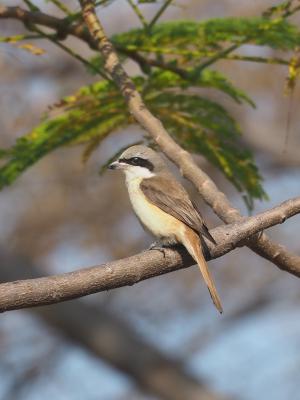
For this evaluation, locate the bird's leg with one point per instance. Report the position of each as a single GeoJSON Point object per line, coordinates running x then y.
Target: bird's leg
{"type": "Point", "coordinates": [155, 245]}
{"type": "Point", "coordinates": [163, 244]}
{"type": "Point", "coordinates": [158, 245]}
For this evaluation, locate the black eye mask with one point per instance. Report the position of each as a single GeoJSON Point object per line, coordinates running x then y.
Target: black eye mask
{"type": "Point", "coordinates": [138, 162]}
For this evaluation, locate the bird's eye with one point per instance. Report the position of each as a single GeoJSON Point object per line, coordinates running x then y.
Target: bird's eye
{"type": "Point", "coordinates": [135, 160]}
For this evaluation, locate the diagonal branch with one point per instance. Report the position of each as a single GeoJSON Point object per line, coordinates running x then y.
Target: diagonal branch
{"type": "Point", "coordinates": [66, 26]}
{"type": "Point", "coordinates": [60, 5]}
{"type": "Point", "coordinates": [159, 13]}
{"type": "Point", "coordinates": [128, 271]}
{"type": "Point", "coordinates": [61, 25]}
{"type": "Point", "coordinates": [138, 13]}
{"type": "Point", "coordinates": [206, 187]}
{"type": "Point", "coordinates": [263, 246]}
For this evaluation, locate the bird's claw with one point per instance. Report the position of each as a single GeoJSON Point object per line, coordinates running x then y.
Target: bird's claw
{"type": "Point", "coordinates": [157, 246]}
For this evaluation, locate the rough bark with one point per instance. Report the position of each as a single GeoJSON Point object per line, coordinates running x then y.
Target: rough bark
{"type": "Point", "coordinates": [131, 270]}
{"type": "Point", "coordinates": [96, 39]}
{"type": "Point", "coordinates": [188, 168]}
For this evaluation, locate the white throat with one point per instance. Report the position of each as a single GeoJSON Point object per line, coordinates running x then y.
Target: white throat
{"type": "Point", "coordinates": [137, 173]}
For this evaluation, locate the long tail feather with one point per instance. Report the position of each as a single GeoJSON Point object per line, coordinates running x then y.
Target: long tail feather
{"type": "Point", "coordinates": [192, 243]}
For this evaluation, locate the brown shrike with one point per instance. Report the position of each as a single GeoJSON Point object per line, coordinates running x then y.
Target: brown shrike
{"type": "Point", "coordinates": [163, 206]}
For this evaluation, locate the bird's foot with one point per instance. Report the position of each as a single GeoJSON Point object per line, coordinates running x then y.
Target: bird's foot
{"type": "Point", "coordinates": [158, 246]}
{"type": "Point", "coordinates": [155, 246]}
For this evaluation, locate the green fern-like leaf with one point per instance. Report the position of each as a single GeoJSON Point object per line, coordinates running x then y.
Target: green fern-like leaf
{"type": "Point", "coordinates": [93, 112]}
{"type": "Point", "coordinates": [203, 126]}
{"type": "Point", "coordinates": [182, 37]}
{"type": "Point", "coordinates": [87, 117]}
{"type": "Point", "coordinates": [207, 79]}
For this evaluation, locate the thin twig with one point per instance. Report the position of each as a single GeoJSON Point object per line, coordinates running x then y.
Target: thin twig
{"type": "Point", "coordinates": [62, 7]}
{"type": "Point", "coordinates": [138, 13]}
{"type": "Point", "coordinates": [71, 52]}
{"type": "Point", "coordinates": [159, 14]}
{"type": "Point", "coordinates": [218, 56]}
{"type": "Point", "coordinates": [186, 74]}
{"type": "Point", "coordinates": [291, 12]}
{"type": "Point", "coordinates": [32, 7]}
{"type": "Point", "coordinates": [78, 31]}
{"type": "Point", "coordinates": [18, 38]}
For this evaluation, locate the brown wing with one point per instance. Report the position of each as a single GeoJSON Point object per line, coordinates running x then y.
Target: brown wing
{"type": "Point", "coordinates": [175, 201]}
{"type": "Point", "coordinates": [204, 231]}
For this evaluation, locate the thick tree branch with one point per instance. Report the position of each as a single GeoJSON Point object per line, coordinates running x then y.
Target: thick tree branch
{"type": "Point", "coordinates": [63, 28]}
{"type": "Point", "coordinates": [60, 25]}
{"type": "Point", "coordinates": [57, 288]}
{"type": "Point", "coordinates": [262, 246]}
{"type": "Point", "coordinates": [206, 187]}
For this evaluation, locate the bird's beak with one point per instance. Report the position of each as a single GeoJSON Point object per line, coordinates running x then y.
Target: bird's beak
{"type": "Point", "coordinates": [116, 165]}
{"type": "Point", "coordinates": [113, 165]}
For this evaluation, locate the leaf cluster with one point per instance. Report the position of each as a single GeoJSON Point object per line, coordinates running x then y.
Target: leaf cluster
{"type": "Point", "coordinates": [87, 117]}
{"type": "Point", "coordinates": [188, 37]}
{"type": "Point", "coordinates": [176, 61]}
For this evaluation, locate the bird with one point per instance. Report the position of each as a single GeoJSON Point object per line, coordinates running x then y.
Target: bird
{"type": "Point", "coordinates": [164, 207]}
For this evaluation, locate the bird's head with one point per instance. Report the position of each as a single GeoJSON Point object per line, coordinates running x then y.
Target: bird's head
{"type": "Point", "coordinates": [139, 162]}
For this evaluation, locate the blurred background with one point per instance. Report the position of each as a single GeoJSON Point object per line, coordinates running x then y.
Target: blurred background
{"type": "Point", "coordinates": [60, 215]}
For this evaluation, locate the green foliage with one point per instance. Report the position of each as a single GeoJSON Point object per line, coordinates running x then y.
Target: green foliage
{"type": "Point", "coordinates": [284, 9]}
{"type": "Point", "coordinates": [186, 37]}
{"type": "Point", "coordinates": [294, 72]}
{"type": "Point", "coordinates": [92, 113]}
{"type": "Point", "coordinates": [200, 125]}
{"type": "Point", "coordinates": [207, 79]}
{"type": "Point", "coordinates": [203, 126]}
{"type": "Point", "coordinates": [181, 54]}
